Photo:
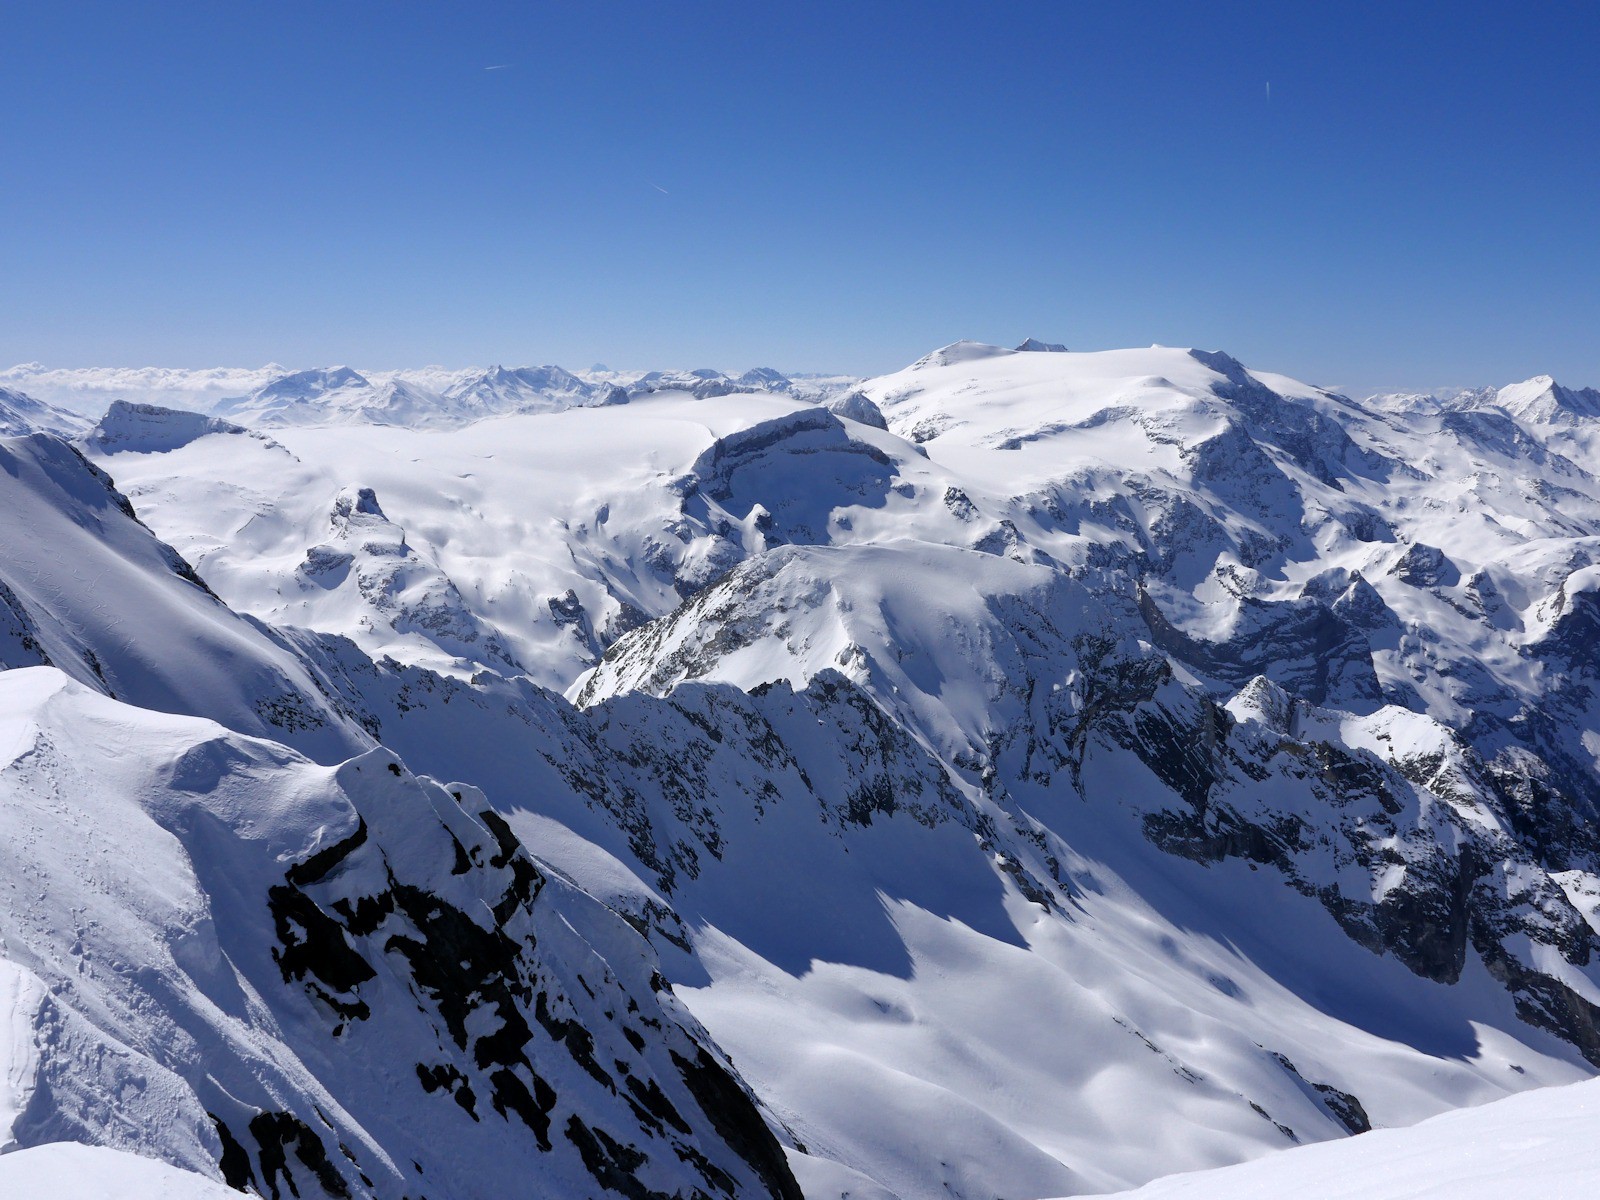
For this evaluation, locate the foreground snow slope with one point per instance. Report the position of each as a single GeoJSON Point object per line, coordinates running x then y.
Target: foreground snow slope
{"type": "Point", "coordinates": [69, 1171]}
{"type": "Point", "coordinates": [345, 981]}
{"type": "Point", "coordinates": [85, 586]}
{"type": "Point", "coordinates": [1537, 1144]}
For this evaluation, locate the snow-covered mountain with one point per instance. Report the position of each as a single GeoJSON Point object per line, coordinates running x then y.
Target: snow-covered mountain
{"type": "Point", "coordinates": [87, 588]}
{"type": "Point", "coordinates": [273, 395]}
{"type": "Point", "coordinates": [90, 389]}
{"type": "Point", "coordinates": [149, 429]}
{"type": "Point", "coordinates": [1543, 401]}
{"type": "Point", "coordinates": [339, 395]}
{"type": "Point", "coordinates": [499, 390]}
{"type": "Point", "coordinates": [20, 414]}
{"type": "Point", "coordinates": [921, 788]}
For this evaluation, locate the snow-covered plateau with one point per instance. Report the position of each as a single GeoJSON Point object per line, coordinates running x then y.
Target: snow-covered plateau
{"type": "Point", "coordinates": [1032, 773]}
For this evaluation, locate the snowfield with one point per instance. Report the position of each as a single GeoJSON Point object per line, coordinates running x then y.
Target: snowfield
{"type": "Point", "coordinates": [1539, 1144]}
{"type": "Point", "coordinates": [70, 1171]}
{"type": "Point", "coordinates": [1031, 773]}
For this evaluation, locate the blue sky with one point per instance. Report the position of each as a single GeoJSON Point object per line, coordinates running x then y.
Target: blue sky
{"type": "Point", "coordinates": [815, 186]}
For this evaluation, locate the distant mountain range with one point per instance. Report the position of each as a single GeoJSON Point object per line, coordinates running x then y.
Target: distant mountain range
{"type": "Point", "coordinates": [273, 395]}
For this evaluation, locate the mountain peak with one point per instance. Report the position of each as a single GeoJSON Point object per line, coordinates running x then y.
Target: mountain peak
{"type": "Point", "coordinates": [764, 377]}
{"type": "Point", "coordinates": [310, 384]}
{"type": "Point", "coordinates": [1222, 363]}
{"type": "Point", "coordinates": [1542, 401]}
{"type": "Point", "coordinates": [960, 352]}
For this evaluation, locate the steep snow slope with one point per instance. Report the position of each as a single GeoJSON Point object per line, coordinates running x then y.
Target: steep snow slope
{"type": "Point", "coordinates": [22, 414]}
{"type": "Point", "coordinates": [86, 587]}
{"type": "Point", "coordinates": [1540, 1144]}
{"type": "Point", "coordinates": [344, 981]}
{"type": "Point", "coordinates": [890, 956]}
{"type": "Point", "coordinates": [778, 820]}
{"type": "Point", "coordinates": [1019, 678]}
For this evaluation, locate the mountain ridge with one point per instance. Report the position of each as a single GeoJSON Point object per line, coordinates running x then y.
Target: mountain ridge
{"type": "Point", "coordinates": [1000, 756]}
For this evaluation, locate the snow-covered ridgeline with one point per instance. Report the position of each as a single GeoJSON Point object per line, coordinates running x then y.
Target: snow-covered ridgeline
{"type": "Point", "coordinates": [426, 395]}
{"type": "Point", "coordinates": [1538, 1144]}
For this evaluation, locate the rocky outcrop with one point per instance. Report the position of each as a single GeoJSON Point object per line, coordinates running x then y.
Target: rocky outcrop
{"type": "Point", "coordinates": [348, 983]}
{"type": "Point", "coordinates": [152, 429]}
{"type": "Point", "coordinates": [368, 554]}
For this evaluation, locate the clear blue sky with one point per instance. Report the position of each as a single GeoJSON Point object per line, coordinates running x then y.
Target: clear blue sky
{"type": "Point", "coordinates": [815, 186]}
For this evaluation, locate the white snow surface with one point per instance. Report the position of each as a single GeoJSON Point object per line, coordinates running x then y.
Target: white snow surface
{"type": "Point", "coordinates": [92, 591]}
{"type": "Point", "coordinates": [21, 414]}
{"type": "Point", "coordinates": [1537, 1144]}
{"type": "Point", "coordinates": [71, 1171]}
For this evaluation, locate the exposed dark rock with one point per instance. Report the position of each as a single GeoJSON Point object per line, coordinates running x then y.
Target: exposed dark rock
{"type": "Point", "coordinates": [275, 1134]}
{"type": "Point", "coordinates": [1425, 566]}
